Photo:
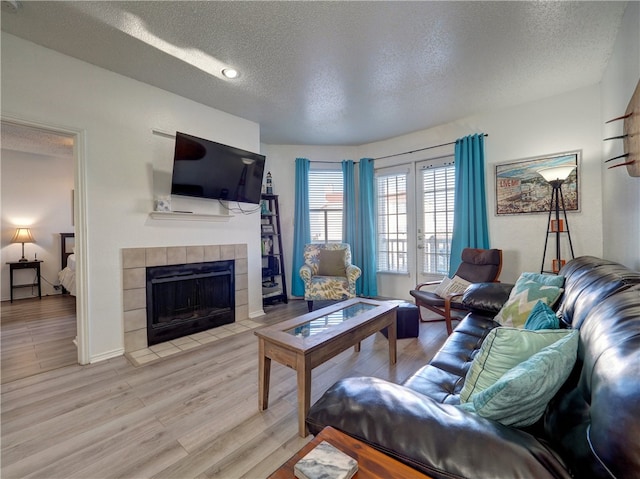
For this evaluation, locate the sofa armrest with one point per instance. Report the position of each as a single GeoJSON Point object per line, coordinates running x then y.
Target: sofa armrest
{"type": "Point", "coordinates": [486, 298]}
{"type": "Point", "coordinates": [440, 440]}
{"type": "Point", "coordinates": [306, 273]}
{"type": "Point", "coordinates": [353, 272]}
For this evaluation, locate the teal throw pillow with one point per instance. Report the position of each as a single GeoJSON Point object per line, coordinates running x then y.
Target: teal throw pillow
{"type": "Point", "coordinates": [548, 279]}
{"type": "Point", "coordinates": [520, 397]}
{"type": "Point", "coordinates": [542, 317]}
{"type": "Point", "coordinates": [523, 297]}
{"type": "Point", "coordinates": [502, 350]}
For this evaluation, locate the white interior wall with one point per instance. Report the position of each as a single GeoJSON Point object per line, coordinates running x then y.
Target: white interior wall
{"type": "Point", "coordinates": [116, 116]}
{"type": "Point", "coordinates": [553, 125]}
{"type": "Point", "coordinates": [36, 192]}
{"type": "Point", "coordinates": [621, 192]}
{"type": "Point", "coordinates": [562, 123]}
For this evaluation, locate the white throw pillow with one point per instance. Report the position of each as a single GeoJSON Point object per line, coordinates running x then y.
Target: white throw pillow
{"type": "Point", "coordinates": [444, 284]}
{"type": "Point", "coordinates": [451, 286]}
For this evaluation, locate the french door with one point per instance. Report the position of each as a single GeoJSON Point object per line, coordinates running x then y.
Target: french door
{"type": "Point", "coordinates": [415, 223]}
{"type": "Point", "coordinates": [435, 181]}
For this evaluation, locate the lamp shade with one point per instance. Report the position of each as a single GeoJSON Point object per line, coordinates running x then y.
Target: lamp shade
{"type": "Point", "coordinates": [556, 173]}
{"type": "Point", "coordinates": [23, 235]}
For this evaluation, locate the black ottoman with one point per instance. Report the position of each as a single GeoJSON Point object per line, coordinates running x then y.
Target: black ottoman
{"type": "Point", "coordinates": [407, 320]}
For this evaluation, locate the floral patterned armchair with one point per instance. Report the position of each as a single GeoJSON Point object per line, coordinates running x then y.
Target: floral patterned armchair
{"type": "Point", "coordinates": [328, 272]}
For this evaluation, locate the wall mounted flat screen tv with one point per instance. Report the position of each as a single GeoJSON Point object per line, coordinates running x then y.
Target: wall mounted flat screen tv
{"type": "Point", "coordinates": [206, 169]}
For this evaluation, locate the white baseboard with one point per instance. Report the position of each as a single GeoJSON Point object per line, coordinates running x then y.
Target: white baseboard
{"type": "Point", "coordinates": [108, 355]}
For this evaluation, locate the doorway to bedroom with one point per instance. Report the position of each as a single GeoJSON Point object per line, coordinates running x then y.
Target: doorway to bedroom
{"type": "Point", "coordinates": [38, 184]}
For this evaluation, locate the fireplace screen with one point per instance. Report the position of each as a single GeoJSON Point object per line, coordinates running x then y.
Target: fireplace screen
{"type": "Point", "coordinates": [186, 299]}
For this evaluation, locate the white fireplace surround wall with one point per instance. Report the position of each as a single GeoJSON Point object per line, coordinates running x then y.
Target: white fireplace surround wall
{"type": "Point", "coordinates": [134, 293]}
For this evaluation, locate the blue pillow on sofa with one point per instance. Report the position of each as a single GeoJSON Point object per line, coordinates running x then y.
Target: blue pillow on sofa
{"type": "Point", "coordinates": [523, 297]}
{"type": "Point", "coordinates": [542, 317]}
{"type": "Point", "coordinates": [503, 349]}
{"type": "Point", "coordinates": [520, 397]}
{"type": "Point", "coordinates": [546, 279]}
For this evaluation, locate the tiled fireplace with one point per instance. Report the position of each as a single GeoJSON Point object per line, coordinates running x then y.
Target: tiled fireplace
{"type": "Point", "coordinates": [135, 262]}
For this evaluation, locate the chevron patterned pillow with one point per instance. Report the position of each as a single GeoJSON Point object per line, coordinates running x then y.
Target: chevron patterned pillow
{"type": "Point", "coordinates": [523, 298]}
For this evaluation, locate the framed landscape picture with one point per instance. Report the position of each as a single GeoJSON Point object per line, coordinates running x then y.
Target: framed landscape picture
{"type": "Point", "coordinates": [520, 189]}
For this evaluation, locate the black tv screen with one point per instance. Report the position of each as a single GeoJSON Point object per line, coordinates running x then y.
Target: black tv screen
{"type": "Point", "coordinates": [206, 169]}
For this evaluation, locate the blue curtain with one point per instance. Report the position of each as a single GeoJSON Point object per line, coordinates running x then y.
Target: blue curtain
{"type": "Point", "coordinates": [302, 228]}
{"type": "Point", "coordinates": [366, 244]}
{"type": "Point", "coordinates": [470, 227]}
{"type": "Point", "coordinates": [349, 218]}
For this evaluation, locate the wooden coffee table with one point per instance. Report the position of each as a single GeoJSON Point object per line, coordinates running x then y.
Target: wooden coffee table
{"type": "Point", "coordinates": [309, 340]}
{"type": "Point", "coordinates": [372, 464]}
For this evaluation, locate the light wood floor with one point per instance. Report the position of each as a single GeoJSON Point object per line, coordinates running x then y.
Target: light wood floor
{"type": "Point", "coordinates": [37, 335]}
{"type": "Point", "coordinates": [193, 415]}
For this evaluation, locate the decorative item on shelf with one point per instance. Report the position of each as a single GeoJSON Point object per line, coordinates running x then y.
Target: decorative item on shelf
{"type": "Point", "coordinates": [162, 203]}
{"type": "Point", "coordinates": [556, 176]}
{"type": "Point", "coordinates": [268, 229]}
{"type": "Point", "coordinates": [557, 225]}
{"type": "Point", "coordinates": [23, 235]}
{"type": "Point", "coordinates": [264, 209]}
{"type": "Point", "coordinates": [630, 136]}
{"type": "Point", "coordinates": [557, 265]}
{"type": "Point", "coordinates": [267, 244]}
{"type": "Point", "coordinates": [269, 183]}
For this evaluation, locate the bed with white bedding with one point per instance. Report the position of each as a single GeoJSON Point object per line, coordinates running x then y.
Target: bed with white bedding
{"type": "Point", "coordinates": [67, 275]}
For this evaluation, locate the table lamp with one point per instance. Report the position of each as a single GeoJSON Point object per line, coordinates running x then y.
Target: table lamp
{"type": "Point", "coordinates": [23, 235]}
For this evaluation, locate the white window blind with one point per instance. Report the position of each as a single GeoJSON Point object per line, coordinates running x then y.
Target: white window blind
{"type": "Point", "coordinates": [438, 185]}
{"type": "Point", "coordinates": [325, 205]}
{"type": "Point", "coordinates": [392, 223]}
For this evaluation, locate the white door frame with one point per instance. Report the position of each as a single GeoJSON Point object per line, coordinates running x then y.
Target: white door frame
{"type": "Point", "coordinates": [80, 222]}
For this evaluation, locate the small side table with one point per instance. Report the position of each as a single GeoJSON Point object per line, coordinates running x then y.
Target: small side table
{"type": "Point", "coordinates": [18, 265]}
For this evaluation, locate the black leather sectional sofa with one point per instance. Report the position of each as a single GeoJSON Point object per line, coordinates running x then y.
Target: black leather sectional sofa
{"type": "Point", "coordinates": [591, 428]}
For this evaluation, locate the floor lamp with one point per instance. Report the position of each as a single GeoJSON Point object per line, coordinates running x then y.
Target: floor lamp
{"type": "Point", "coordinates": [556, 176]}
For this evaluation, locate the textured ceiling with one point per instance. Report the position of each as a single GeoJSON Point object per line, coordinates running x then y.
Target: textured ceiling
{"type": "Point", "coordinates": [337, 73]}
{"type": "Point", "coordinates": [35, 141]}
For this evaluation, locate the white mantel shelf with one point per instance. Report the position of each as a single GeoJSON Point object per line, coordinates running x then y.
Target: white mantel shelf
{"type": "Point", "coordinates": [174, 216]}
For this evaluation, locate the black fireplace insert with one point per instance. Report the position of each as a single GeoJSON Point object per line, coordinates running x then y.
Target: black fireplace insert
{"type": "Point", "coordinates": [189, 298]}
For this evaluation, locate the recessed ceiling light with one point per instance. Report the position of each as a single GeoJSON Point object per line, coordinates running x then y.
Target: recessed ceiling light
{"type": "Point", "coordinates": [230, 73]}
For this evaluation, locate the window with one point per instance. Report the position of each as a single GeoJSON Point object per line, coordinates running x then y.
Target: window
{"type": "Point", "coordinates": [392, 223]}
{"type": "Point", "coordinates": [437, 222]}
{"type": "Point", "coordinates": [325, 205]}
